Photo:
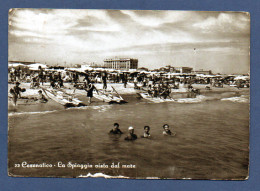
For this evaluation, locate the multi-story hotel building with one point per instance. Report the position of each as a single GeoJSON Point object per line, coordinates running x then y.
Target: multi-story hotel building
{"type": "Point", "coordinates": [121, 63]}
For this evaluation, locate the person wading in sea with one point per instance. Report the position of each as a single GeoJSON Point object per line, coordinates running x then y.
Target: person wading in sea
{"type": "Point", "coordinates": [146, 132]}
{"type": "Point", "coordinates": [89, 88]}
{"type": "Point", "coordinates": [167, 130]}
{"type": "Point", "coordinates": [131, 136]}
{"type": "Point", "coordinates": [116, 129]}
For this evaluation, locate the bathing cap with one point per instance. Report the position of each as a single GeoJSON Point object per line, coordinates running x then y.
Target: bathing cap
{"type": "Point", "coordinates": [130, 128]}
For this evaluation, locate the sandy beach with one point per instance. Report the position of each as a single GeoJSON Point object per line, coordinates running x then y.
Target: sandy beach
{"type": "Point", "coordinates": [119, 87]}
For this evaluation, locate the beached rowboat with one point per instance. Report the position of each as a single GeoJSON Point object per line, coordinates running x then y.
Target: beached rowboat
{"type": "Point", "coordinates": [63, 98]}
{"type": "Point", "coordinates": [155, 99]}
{"type": "Point", "coordinates": [108, 97]}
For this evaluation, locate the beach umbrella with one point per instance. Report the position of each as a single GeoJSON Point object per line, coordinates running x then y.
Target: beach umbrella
{"type": "Point", "coordinates": [16, 65]}
{"type": "Point", "coordinates": [36, 66]}
{"type": "Point", "coordinates": [242, 78]}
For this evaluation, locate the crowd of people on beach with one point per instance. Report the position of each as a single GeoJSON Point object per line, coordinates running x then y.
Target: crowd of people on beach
{"type": "Point", "coordinates": [159, 90]}
{"type": "Point", "coordinates": [156, 86]}
{"type": "Point", "coordinates": [132, 136]}
{"type": "Point", "coordinates": [56, 78]}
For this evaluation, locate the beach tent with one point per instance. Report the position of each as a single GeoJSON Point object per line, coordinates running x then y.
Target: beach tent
{"type": "Point", "coordinates": [55, 70]}
{"type": "Point", "coordinates": [36, 66]}
{"type": "Point", "coordinates": [142, 71]}
{"type": "Point", "coordinates": [81, 70]}
{"type": "Point", "coordinates": [162, 72]}
{"type": "Point", "coordinates": [154, 73]}
{"type": "Point", "coordinates": [13, 65]}
{"type": "Point", "coordinates": [124, 71]}
{"type": "Point", "coordinates": [110, 70]}
{"type": "Point", "coordinates": [242, 78]}
{"type": "Point", "coordinates": [132, 70]}
{"type": "Point", "coordinates": [86, 67]}
{"type": "Point", "coordinates": [204, 76]}
{"type": "Point", "coordinates": [99, 69]}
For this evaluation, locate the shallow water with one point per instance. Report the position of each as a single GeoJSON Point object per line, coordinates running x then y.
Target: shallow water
{"type": "Point", "coordinates": [212, 137]}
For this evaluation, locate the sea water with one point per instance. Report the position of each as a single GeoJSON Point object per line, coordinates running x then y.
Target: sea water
{"type": "Point", "coordinates": [212, 138]}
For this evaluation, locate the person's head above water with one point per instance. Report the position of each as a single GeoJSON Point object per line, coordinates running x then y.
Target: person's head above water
{"type": "Point", "coordinates": [40, 91]}
{"type": "Point", "coordinates": [146, 129]}
{"type": "Point", "coordinates": [166, 127]}
{"type": "Point", "coordinates": [116, 125]}
{"type": "Point", "coordinates": [17, 83]}
{"type": "Point", "coordinates": [131, 129]}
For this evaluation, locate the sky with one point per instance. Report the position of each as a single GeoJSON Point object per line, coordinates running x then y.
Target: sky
{"type": "Point", "coordinates": [217, 41]}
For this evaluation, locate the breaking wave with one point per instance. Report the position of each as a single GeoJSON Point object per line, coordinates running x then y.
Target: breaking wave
{"type": "Point", "coordinates": [241, 99]}
{"type": "Point", "coordinates": [198, 99]}
{"type": "Point", "coordinates": [30, 113]}
{"type": "Point", "coordinates": [100, 108]}
{"type": "Point", "coordinates": [202, 98]}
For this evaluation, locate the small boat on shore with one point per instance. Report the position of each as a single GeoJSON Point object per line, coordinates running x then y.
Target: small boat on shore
{"type": "Point", "coordinates": [146, 96]}
{"type": "Point", "coordinates": [109, 96]}
{"type": "Point", "coordinates": [62, 98]}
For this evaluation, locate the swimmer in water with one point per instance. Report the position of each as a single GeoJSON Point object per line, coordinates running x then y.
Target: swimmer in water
{"type": "Point", "coordinates": [116, 129]}
{"type": "Point", "coordinates": [146, 132]}
{"type": "Point", "coordinates": [167, 130]}
{"type": "Point", "coordinates": [131, 136]}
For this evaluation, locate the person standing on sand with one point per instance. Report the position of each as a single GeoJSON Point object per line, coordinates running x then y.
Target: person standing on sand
{"type": "Point", "coordinates": [41, 76]}
{"type": "Point", "coordinates": [86, 78]}
{"type": "Point", "coordinates": [52, 80]}
{"type": "Point", "coordinates": [125, 80]}
{"type": "Point", "coordinates": [104, 79]}
{"type": "Point", "coordinates": [60, 80]}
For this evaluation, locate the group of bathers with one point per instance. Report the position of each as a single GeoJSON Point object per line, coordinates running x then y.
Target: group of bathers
{"type": "Point", "coordinates": [132, 136]}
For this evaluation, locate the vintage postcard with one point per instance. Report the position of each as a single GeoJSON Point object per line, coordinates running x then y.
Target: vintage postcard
{"type": "Point", "coordinates": [139, 94]}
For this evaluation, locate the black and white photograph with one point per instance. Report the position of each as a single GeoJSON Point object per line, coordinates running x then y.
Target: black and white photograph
{"type": "Point", "coordinates": [133, 94]}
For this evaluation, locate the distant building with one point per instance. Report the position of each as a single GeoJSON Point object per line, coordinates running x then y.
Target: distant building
{"type": "Point", "coordinates": [143, 69]}
{"type": "Point", "coordinates": [77, 65]}
{"type": "Point", "coordinates": [176, 69]}
{"type": "Point", "coordinates": [183, 69]}
{"type": "Point", "coordinates": [168, 68]}
{"type": "Point", "coordinates": [206, 72]}
{"type": "Point", "coordinates": [96, 65]}
{"type": "Point", "coordinates": [121, 63]}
